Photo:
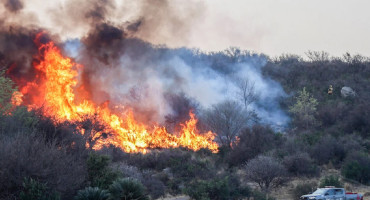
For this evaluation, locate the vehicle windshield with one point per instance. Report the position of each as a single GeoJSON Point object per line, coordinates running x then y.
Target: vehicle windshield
{"type": "Point", "coordinates": [320, 191]}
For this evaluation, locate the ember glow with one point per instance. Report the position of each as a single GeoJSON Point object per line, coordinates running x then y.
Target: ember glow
{"type": "Point", "coordinates": [57, 90]}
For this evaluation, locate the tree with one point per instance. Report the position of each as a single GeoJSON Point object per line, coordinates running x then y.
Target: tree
{"type": "Point", "coordinates": [226, 119]}
{"type": "Point", "coordinates": [318, 56]}
{"type": "Point", "coordinates": [246, 91]}
{"type": "Point", "coordinates": [266, 171]}
{"type": "Point", "coordinates": [304, 109]}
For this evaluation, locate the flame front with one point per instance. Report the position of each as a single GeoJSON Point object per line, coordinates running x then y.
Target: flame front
{"type": "Point", "coordinates": [53, 90]}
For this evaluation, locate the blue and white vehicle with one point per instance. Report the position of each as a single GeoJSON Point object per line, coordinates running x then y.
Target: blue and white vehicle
{"type": "Point", "coordinates": [331, 193]}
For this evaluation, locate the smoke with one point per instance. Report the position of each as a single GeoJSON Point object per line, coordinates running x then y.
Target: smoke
{"type": "Point", "coordinates": [13, 5]}
{"type": "Point", "coordinates": [159, 83]}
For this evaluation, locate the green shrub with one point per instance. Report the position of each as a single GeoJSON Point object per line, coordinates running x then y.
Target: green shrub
{"type": "Point", "coordinates": [204, 190]}
{"type": "Point", "coordinates": [127, 189]}
{"type": "Point", "coordinates": [357, 167]}
{"type": "Point", "coordinates": [330, 181]}
{"type": "Point", "coordinates": [215, 189]}
{"type": "Point", "coordinates": [302, 189]}
{"type": "Point", "coordinates": [7, 88]}
{"type": "Point", "coordinates": [34, 190]}
{"type": "Point", "coordinates": [92, 193]}
{"type": "Point", "coordinates": [99, 173]}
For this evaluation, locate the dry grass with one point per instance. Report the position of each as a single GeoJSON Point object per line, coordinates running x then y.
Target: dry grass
{"type": "Point", "coordinates": [285, 193]}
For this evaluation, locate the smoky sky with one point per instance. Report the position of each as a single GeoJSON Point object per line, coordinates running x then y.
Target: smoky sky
{"type": "Point", "coordinates": [123, 66]}
{"type": "Point", "coordinates": [13, 5]}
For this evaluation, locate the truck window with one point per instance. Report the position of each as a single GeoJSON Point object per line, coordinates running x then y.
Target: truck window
{"type": "Point", "coordinates": [330, 192]}
{"type": "Point", "coordinates": [338, 191]}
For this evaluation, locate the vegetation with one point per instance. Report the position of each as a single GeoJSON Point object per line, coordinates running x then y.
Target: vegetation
{"type": "Point", "coordinates": [304, 188]}
{"type": "Point", "coordinates": [92, 193]}
{"type": "Point", "coordinates": [40, 159]}
{"type": "Point", "coordinates": [7, 89]}
{"type": "Point", "coordinates": [266, 171]}
{"type": "Point", "coordinates": [304, 109]}
{"type": "Point", "coordinates": [331, 180]}
{"type": "Point", "coordinates": [357, 167]}
{"type": "Point", "coordinates": [34, 190]}
{"type": "Point", "coordinates": [127, 189]}
{"type": "Point", "coordinates": [99, 173]}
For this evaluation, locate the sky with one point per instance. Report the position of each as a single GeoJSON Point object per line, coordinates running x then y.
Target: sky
{"type": "Point", "coordinates": [272, 27]}
{"type": "Point", "coordinates": [287, 26]}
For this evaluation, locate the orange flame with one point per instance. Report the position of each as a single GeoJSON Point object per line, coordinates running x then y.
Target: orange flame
{"type": "Point", "coordinates": [54, 92]}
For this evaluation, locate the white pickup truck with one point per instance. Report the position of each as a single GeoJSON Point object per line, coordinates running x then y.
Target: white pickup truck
{"type": "Point", "coordinates": [331, 193]}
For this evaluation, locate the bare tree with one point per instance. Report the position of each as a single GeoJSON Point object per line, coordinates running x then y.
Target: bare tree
{"type": "Point", "coordinates": [227, 119]}
{"type": "Point", "coordinates": [246, 91]}
{"type": "Point", "coordinates": [266, 171]}
{"type": "Point", "coordinates": [318, 56]}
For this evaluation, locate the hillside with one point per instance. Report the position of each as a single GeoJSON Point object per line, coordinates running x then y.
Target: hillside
{"type": "Point", "coordinates": [327, 138]}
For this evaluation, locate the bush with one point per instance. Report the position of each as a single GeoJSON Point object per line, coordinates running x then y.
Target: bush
{"type": "Point", "coordinates": [127, 189]}
{"type": "Point", "coordinates": [92, 193]}
{"type": "Point", "coordinates": [34, 190]}
{"type": "Point", "coordinates": [27, 155]}
{"type": "Point", "coordinates": [330, 181]}
{"type": "Point", "coordinates": [155, 187]}
{"type": "Point", "coordinates": [357, 167]}
{"type": "Point", "coordinates": [302, 189]}
{"type": "Point", "coordinates": [300, 164]}
{"type": "Point", "coordinates": [215, 189]}
{"type": "Point", "coordinates": [252, 142]}
{"type": "Point", "coordinates": [183, 164]}
{"type": "Point", "coordinates": [266, 171]}
{"type": "Point", "coordinates": [20, 121]}
{"type": "Point", "coordinates": [99, 173]}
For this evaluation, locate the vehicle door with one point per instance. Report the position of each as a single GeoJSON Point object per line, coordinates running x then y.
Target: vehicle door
{"type": "Point", "coordinates": [339, 194]}
{"type": "Point", "coordinates": [330, 195]}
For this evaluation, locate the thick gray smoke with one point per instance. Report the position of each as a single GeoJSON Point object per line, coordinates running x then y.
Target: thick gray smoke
{"type": "Point", "coordinates": [161, 84]}
{"type": "Point", "coordinates": [140, 75]}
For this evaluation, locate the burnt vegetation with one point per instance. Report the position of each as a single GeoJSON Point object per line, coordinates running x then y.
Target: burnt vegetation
{"type": "Point", "coordinates": [42, 160]}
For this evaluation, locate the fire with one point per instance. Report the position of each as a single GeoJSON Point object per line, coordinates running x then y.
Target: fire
{"type": "Point", "coordinates": [54, 90]}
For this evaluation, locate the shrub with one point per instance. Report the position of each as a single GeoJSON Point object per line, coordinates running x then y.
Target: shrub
{"type": "Point", "coordinates": [325, 150]}
{"type": "Point", "coordinates": [302, 189]}
{"type": "Point", "coordinates": [92, 193]}
{"type": "Point", "coordinates": [357, 167]}
{"type": "Point", "coordinates": [252, 142]}
{"type": "Point", "coordinates": [7, 89]}
{"type": "Point", "coordinates": [330, 180]}
{"type": "Point", "coordinates": [21, 120]}
{"type": "Point", "coordinates": [304, 110]}
{"type": "Point", "coordinates": [215, 189]}
{"type": "Point", "coordinates": [99, 173]}
{"type": "Point", "coordinates": [266, 171]}
{"type": "Point", "coordinates": [155, 187]}
{"type": "Point", "coordinates": [34, 190]}
{"type": "Point", "coordinates": [127, 189]}
{"type": "Point", "coordinates": [300, 164]}
{"type": "Point", "coordinates": [27, 155]}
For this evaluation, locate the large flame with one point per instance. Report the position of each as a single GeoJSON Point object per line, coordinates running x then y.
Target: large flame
{"type": "Point", "coordinates": [54, 90]}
